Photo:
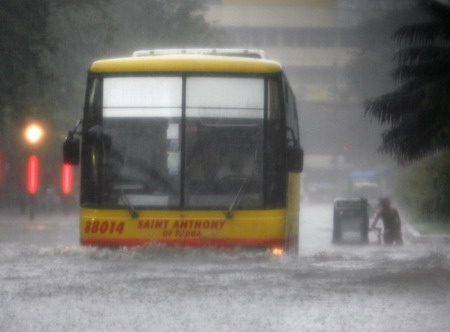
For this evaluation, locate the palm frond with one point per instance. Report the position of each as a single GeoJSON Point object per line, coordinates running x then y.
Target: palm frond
{"type": "Point", "coordinates": [425, 83]}
{"type": "Point", "coordinates": [392, 108]}
{"type": "Point", "coordinates": [422, 33]}
{"type": "Point", "coordinates": [430, 98]}
{"type": "Point", "coordinates": [418, 112]}
{"type": "Point", "coordinates": [432, 70]}
{"type": "Point", "coordinates": [413, 55]}
{"type": "Point", "coordinates": [416, 136]}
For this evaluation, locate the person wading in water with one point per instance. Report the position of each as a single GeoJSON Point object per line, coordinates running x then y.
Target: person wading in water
{"type": "Point", "coordinates": [391, 222]}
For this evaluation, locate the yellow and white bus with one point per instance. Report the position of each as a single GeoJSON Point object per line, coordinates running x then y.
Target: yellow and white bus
{"type": "Point", "coordinates": [196, 148]}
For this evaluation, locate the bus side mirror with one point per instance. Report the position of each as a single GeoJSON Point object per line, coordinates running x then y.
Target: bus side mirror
{"type": "Point", "coordinates": [295, 159]}
{"type": "Point", "coordinates": [71, 150]}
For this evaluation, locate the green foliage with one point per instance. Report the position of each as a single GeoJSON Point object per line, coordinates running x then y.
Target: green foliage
{"type": "Point", "coordinates": [28, 57]}
{"type": "Point", "coordinates": [23, 38]}
{"type": "Point", "coordinates": [424, 186]}
{"type": "Point", "coordinates": [418, 112]}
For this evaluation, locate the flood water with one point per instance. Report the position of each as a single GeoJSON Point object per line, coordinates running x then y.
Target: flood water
{"type": "Point", "coordinates": [49, 283]}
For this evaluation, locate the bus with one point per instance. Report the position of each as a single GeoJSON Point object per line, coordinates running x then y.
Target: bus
{"type": "Point", "coordinates": [189, 148]}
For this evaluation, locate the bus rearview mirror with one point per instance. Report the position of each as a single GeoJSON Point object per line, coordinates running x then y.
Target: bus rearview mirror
{"type": "Point", "coordinates": [71, 150]}
{"type": "Point", "coordinates": [295, 159]}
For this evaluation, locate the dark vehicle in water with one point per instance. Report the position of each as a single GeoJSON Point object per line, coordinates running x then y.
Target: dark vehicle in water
{"type": "Point", "coordinates": [350, 216]}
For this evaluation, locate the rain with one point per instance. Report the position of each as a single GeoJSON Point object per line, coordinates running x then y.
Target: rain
{"type": "Point", "coordinates": [372, 106]}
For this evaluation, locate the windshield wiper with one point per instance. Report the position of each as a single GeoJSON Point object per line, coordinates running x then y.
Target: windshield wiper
{"type": "Point", "coordinates": [133, 213]}
{"type": "Point", "coordinates": [237, 198]}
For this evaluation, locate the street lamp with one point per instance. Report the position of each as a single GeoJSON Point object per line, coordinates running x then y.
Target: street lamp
{"type": "Point", "coordinates": [33, 135]}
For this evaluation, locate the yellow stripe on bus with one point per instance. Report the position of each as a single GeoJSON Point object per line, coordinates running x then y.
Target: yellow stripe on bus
{"type": "Point", "coordinates": [186, 63]}
{"type": "Point", "coordinates": [169, 225]}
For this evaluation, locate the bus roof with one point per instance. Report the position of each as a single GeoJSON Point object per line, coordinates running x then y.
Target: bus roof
{"type": "Point", "coordinates": [186, 63]}
{"type": "Point", "coordinates": [240, 52]}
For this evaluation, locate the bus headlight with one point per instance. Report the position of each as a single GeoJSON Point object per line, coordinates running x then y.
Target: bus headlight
{"type": "Point", "coordinates": [278, 252]}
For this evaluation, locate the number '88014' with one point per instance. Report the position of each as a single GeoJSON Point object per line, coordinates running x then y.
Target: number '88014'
{"type": "Point", "coordinates": [104, 227]}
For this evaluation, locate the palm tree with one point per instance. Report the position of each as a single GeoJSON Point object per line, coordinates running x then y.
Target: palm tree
{"type": "Point", "coordinates": [418, 112]}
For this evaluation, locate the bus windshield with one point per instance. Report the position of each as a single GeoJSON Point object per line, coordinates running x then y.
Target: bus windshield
{"type": "Point", "coordinates": [169, 141]}
{"type": "Point", "coordinates": [141, 120]}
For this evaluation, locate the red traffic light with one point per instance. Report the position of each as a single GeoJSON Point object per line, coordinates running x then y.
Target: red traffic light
{"type": "Point", "coordinates": [66, 179]}
{"type": "Point", "coordinates": [32, 174]}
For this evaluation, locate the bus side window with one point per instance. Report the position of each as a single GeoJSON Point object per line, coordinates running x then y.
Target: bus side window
{"type": "Point", "coordinates": [275, 151]}
{"type": "Point", "coordinates": [93, 99]}
{"type": "Point", "coordinates": [294, 150]}
{"type": "Point", "coordinates": [291, 117]}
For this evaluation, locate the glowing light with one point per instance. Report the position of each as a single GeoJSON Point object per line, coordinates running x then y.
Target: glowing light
{"type": "Point", "coordinates": [33, 133]}
{"type": "Point", "coordinates": [32, 174]}
{"type": "Point", "coordinates": [37, 227]}
{"type": "Point", "coordinates": [277, 252]}
{"type": "Point", "coordinates": [66, 179]}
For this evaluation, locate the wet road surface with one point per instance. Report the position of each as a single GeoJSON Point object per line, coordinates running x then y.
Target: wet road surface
{"type": "Point", "coordinates": [49, 283]}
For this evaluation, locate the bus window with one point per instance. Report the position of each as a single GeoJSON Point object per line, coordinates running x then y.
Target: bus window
{"type": "Point", "coordinates": [93, 100]}
{"type": "Point", "coordinates": [275, 166]}
{"type": "Point", "coordinates": [140, 141]}
{"type": "Point", "coordinates": [291, 118]}
{"type": "Point", "coordinates": [224, 137]}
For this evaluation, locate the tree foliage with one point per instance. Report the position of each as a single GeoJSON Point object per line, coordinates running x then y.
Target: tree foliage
{"type": "Point", "coordinates": [28, 54]}
{"type": "Point", "coordinates": [424, 186]}
{"type": "Point", "coordinates": [418, 111]}
{"type": "Point", "coordinates": [22, 40]}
